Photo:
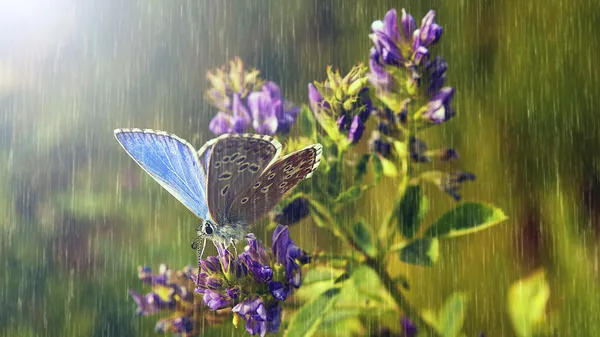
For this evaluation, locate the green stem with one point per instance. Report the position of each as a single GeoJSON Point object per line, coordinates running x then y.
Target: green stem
{"type": "Point", "coordinates": [392, 289]}
{"type": "Point", "coordinates": [401, 301]}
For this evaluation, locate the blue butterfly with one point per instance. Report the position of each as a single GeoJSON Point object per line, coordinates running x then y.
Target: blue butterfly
{"type": "Point", "coordinates": [230, 183]}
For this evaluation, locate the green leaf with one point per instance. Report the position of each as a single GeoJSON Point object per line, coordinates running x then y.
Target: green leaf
{"type": "Point", "coordinates": [361, 168]}
{"type": "Point", "coordinates": [323, 218]}
{"type": "Point", "coordinates": [307, 123]}
{"type": "Point", "coordinates": [309, 317]}
{"type": "Point", "coordinates": [527, 300]}
{"type": "Point", "coordinates": [424, 252]}
{"type": "Point", "coordinates": [452, 315]}
{"type": "Point", "coordinates": [362, 237]}
{"type": "Point", "coordinates": [389, 169]}
{"type": "Point", "coordinates": [410, 211]}
{"type": "Point", "coordinates": [377, 167]}
{"type": "Point", "coordinates": [465, 219]}
{"type": "Point", "coordinates": [348, 195]}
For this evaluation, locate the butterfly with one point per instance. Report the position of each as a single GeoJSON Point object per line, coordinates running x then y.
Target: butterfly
{"type": "Point", "coordinates": [230, 183]}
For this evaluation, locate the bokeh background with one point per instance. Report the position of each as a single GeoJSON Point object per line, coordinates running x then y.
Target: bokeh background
{"type": "Point", "coordinates": [77, 216]}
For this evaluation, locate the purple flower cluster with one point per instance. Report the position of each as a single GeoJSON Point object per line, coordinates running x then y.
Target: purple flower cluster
{"type": "Point", "coordinates": [171, 292]}
{"type": "Point", "coordinates": [244, 100]}
{"type": "Point", "coordinates": [401, 63]}
{"type": "Point", "coordinates": [255, 283]}
{"type": "Point", "coordinates": [342, 105]}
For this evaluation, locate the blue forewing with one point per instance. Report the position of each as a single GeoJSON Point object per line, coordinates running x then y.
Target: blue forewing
{"type": "Point", "coordinates": [172, 162]}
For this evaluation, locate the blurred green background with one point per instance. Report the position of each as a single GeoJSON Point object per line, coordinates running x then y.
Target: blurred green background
{"type": "Point", "coordinates": [77, 216]}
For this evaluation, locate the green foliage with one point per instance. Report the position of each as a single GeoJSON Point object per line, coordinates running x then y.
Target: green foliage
{"type": "Point", "coordinates": [527, 300]}
{"type": "Point", "coordinates": [306, 123]}
{"type": "Point", "coordinates": [362, 237]}
{"type": "Point", "coordinates": [449, 320]}
{"type": "Point", "coordinates": [452, 316]}
{"type": "Point", "coordinates": [410, 211]}
{"type": "Point", "coordinates": [424, 252]}
{"type": "Point", "coordinates": [309, 317]}
{"type": "Point", "coordinates": [466, 218]}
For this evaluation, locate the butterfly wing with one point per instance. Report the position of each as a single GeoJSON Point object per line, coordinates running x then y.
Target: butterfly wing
{"type": "Point", "coordinates": [204, 154]}
{"type": "Point", "coordinates": [171, 161]}
{"type": "Point", "coordinates": [236, 161]}
{"type": "Point", "coordinates": [274, 183]}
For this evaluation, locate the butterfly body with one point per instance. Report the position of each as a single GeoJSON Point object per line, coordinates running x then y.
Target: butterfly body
{"type": "Point", "coordinates": [230, 183]}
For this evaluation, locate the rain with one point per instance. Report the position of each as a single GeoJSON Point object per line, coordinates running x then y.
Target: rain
{"type": "Point", "coordinates": [458, 212]}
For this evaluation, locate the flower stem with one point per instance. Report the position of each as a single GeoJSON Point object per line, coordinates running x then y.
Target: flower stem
{"type": "Point", "coordinates": [399, 298]}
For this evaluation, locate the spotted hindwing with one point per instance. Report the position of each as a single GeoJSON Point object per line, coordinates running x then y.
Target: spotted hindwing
{"type": "Point", "coordinates": [278, 179]}
{"type": "Point", "coordinates": [236, 161]}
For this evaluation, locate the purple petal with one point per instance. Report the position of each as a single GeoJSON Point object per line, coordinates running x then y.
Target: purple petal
{"type": "Point", "coordinates": [220, 124]}
{"type": "Point", "coordinates": [241, 117]}
{"type": "Point", "coordinates": [438, 108]}
{"type": "Point", "coordinates": [268, 126]}
{"type": "Point", "coordinates": [273, 89]}
{"type": "Point", "coordinates": [273, 317]}
{"type": "Point", "coordinates": [408, 26]}
{"type": "Point", "coordinates": [390, 25]}
{"type": "Point", "coordinates": [314, 97]}
{"type": "Point", "coordinates": [215, 300]}
{"type": "Point", "coordinates": [421, 56]}
{"type": "Point", "coordinates": [281, 241]}
{"type": "Point", "coordinates": [278, 290]}
{"type": "Point", "coordinates": [356, 130]}
{"type": "Point", "coordinates": [430, 31]}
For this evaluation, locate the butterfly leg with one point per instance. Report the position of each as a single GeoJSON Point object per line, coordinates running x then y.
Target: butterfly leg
{"type": "Point", "coordinates": [232, 242]}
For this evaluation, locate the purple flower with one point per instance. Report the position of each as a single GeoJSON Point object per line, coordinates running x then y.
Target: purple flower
{"type": "Point", "coordinates": [182, 324]}
{"type": "Point", "coordinates": [315, 98]}
{"type": "Point", "coordinates": [215, 300]}
{"type": "Point", "coordinates": [452, 182]}
{"type": "Point", "coordinates": [146, 305]}
{"type": "Point", "coordinates": [279, 291]}
{"type": "Point", "coordinates": [289, 255]}
{"type": "Point", "coordinates": [247, 284]}
{"type": "Point", "coordinates": [210, 265]}
{"type": "Point", "coordinates": [435, 72]}
{"type": "Point", "coordinates": [259, 319]}
{"type": "Point", "coordinates": [385, 37]}
{"type": "Point", "coordinates": [379, 145]}
{"type": "Point", "coordinates": [356, 130]}
{"type": "Point", "coordinates": [409, 329]}
{"type": "Point", "coordinates": [254, 312]}
{"type": "Point", "coordinates": [263, 107]}
{"type": "Point", "coordinates": [421, 56]}
{"type": "Point", "coordinates": [380, 78]}
{"type": "Point", "coordinates": [430, 32]}
{"type": "Point", "coordinates": [236, 123]}
{"type": "Point", "coordinates": [244, 100]}
{"type": "Point", "coordinates": [408, 26]}
{"type": "Point", "coordinates": [417, 150]}
{"type": "Point", "coordinates": [293, 212]}
{"type": "Point", "coordinates": [438, 108]}
{"type": "Point", "coordinates": [286, 112]}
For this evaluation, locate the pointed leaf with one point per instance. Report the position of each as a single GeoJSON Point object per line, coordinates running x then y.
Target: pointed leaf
{"type": "Point", "coordinates": [362, 237]}
{"type": "Point", "coordinates": [452, 315]}
{"type": "Point", "coordinates": [424, 252]}
{"type": "Point", "coordinates": [361, 168]}
{"type": "Point", "coordinates": [307, 123]}
{"type": "Point", "coordinates": [409, 212]}
{"type": "Point", "coordinates": [527, 299]}
{"type": "Point", "coordinates": [309, 317]}
{"type": "Point", "coordinates": [465, 219]}
{"type": "Point", "coordinates": [377, 167]}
